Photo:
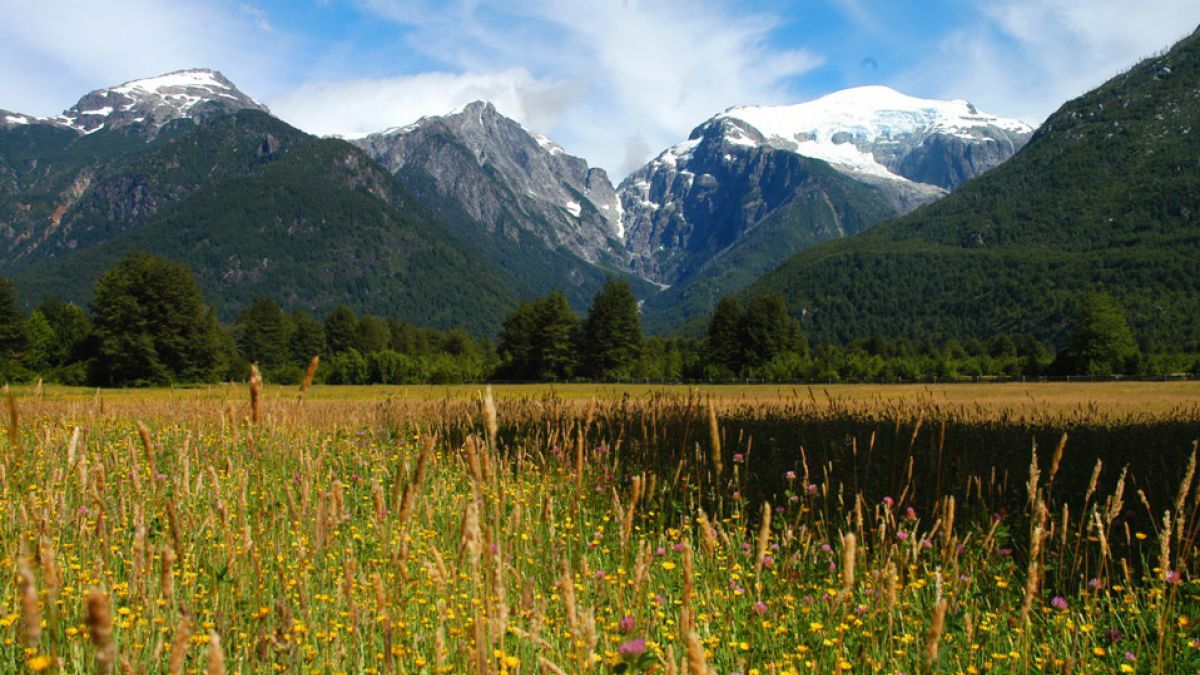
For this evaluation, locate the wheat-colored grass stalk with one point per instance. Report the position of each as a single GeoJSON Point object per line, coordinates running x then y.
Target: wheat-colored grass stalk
{"type": "Point", "coordinates": [148, 450]}
{"type": "Point", "coordinates": [471, 538]}
{"type": "Point", "coordinates": [179, 645]}
{"type": "Point", "coordinates": [31, 613]}
{"type": "Point", "coordinates": [936, 626]}
{"type": "Point", "coordinates": [489, 417]}
{"type": "Point", "coordinates": [1033, 573]}
{"type": "Point", "coordinates": [714, 439]}
{"type": "Point", "coordinates": [670, 666]}
{"type": "Point", "coordinates": [167, 573]}
{"type": "Point", "coordinates": [216, 655]}
{"type": "Point", "coordinates": [708, 537]}
{"type": "Point", "coordinates": [99, 624]}
{"type": "Point", "coordinates": [309, 374]}
{"type": "Point", "coordinates": [849, 554]}
{"type": "Point", "coordinates": [1164, 545]}
{"type": "Point", "coordinates": [566, 584]}
{"type": "Point", "coordinates": [697, 662]}
{"type": "Point", "coordinates": [764, 540]}
{"type": "Point", "coordinates": [255, 393]}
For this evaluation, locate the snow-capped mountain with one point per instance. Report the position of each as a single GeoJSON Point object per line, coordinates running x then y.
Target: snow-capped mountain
{"type": "Point", "coordinates": [192, 94]}
{"type": "Point", "coordinates": [508, 179]}
{"type": "Point", "coordinates": [696, 199]}
{"type": "Point", "coordinates": [882, 133]}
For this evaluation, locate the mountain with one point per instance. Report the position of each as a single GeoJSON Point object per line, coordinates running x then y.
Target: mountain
{"type": "Point", "coordinates": [541, 213]}
{"type": "Point", "coordinates": [254, 206]}
{"type": "Point", "coordinates": [1105, 197]}
{"type": "Point", "coordinates": [755, 184]}
{"type": "Point", "coordinates": [154, 102]}
{"type": "Point", "coordinates": [75, 179]}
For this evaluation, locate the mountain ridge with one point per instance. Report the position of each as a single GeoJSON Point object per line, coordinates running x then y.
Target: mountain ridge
{"type": "Point", "coordinates": [1104, 198]}
{"type": "Point", "coordinates": [731, 201]}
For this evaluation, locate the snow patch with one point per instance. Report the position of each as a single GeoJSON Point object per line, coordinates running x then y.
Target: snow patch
{"type": "Point", "coordinates": [16, 119]}
{"type": "Point", "coordinates": [574, 208]}
{"type": "Point", "coordinates": [620, 221]}
{"type": "Point", "coordinates": [675, 154]}
{"type": "Point", "coordinates": [99, 112]}
{"type": "Point", "coordinates": [547, 144]}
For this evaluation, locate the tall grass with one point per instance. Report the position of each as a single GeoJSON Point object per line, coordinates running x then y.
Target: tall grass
{"type": "Point", "coordinates": [675, 534]}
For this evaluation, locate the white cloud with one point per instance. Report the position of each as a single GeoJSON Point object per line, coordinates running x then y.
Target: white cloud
{"type": "Point", "coordinates": [261, 19]}
{"type": "Point", "coordinates": [1025, 58]}
{"type": "Point", "coordinates": [53, 51]}
{"type": "Point", "coordinates": [586, 73]}
{"type": "Point", "coordinates": [353, 108]}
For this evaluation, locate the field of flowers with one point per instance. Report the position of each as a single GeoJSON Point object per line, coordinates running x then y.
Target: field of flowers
{"type": "Point", "coordinates": [536, 534]}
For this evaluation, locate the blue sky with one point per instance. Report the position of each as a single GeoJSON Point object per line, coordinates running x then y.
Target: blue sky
{"type": "Point", "coordinates": [614, 81]}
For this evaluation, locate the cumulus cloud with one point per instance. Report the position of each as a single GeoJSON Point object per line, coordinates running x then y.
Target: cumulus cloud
{"type": "Point", "coordinates": [601, 71]}
{"type": "Point", "coordinates": [356, 107]}
{"type": "Point", "coordinates": [1025, 58]}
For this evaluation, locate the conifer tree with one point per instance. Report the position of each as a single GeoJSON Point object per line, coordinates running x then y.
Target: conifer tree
{"type": "Point", "coordinates": [610, 339]}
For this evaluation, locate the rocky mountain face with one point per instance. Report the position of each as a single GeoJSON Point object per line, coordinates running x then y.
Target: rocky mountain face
{"type": "Point", "coordinates": [695, 200]}
{"type": "Point", "coordinates": [509, 180]}
{"type": "Point", "coordinates": [185, 166]}
{"type": "Point", "coordinates": [77, 189]}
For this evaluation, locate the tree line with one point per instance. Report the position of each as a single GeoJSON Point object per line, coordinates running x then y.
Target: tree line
{"type": "Point", "coordinates": [148, 324]}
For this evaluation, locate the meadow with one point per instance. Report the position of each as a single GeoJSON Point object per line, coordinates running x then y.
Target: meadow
{"type": "Point", "coordinates": [568, 529]}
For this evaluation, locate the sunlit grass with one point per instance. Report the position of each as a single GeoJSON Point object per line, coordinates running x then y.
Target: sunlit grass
{"type": "Point", "coordinates": [590, 539]}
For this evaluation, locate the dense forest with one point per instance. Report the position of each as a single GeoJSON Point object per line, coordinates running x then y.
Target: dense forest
{"type": "Point", "coordinates": [149, 324]}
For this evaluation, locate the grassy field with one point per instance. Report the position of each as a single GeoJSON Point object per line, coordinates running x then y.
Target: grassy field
{"type": "Point", "coordinates": [1158, 399]}
{"type": "Point", "coordinates": [963, 528]}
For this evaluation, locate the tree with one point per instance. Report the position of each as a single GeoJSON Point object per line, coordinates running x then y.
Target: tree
{"type": "Point", "coordinates": [39, 344]}
{"type": "Point", "coordinates": [556, 325]}
{"type": "Point", "coordinates": [12, 323]}
{"type": "Point", "coordinates": [767, 330]}
{"type": "Point", "coordinates": [261, 331]}
{"type": "Point", "coordinates": [152, 325]}
{"type": "Point", "coordinates": [341, 329]}
{"type": "Point", "coordinates": [72, 329]}
{"type": "Point", "coordinates": [307, 339]}
{"type": "Point", "coordinates": [724, 335]}
{"type": "Point", "coordinates": [1102, 342]}
{"type": "Point", "coordinates": [516, 342]}
{"type": "Point", "coordinates": [372, 335]}
{"type": "Point", "coordinates": [535, 340]}
{"type": "Point", "coordinates": [610, 339]}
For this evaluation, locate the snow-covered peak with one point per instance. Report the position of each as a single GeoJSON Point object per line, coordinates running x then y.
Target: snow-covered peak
{"type": "Point", "coordinates": [182, 80]}
{"type": "Point", "coordinates": [847, 128]}
{"type": "Point", "coordinates": [870, 113]}
{"type": "Point", "coordinates": [155, 101]}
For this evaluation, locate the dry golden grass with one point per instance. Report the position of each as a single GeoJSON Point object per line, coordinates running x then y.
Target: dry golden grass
{"type": "Point", "coordinates": [1042, 401]}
